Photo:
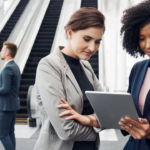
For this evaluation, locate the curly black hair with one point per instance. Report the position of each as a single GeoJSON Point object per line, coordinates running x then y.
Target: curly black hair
{"type": "Point", "coordinates": [133, 20]}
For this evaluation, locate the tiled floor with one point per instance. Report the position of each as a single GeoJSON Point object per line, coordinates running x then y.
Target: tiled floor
{"type": "Point", "coordinates": [114, 140]}
{"type": "Point", "coordinates": [24, 131]}
{"type": "Point", "coordinates": [26, 138]}
{"type": "Point", "coordinates": [108, 135]}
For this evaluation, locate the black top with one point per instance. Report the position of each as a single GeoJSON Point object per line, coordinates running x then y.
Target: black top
{"type": "Point", "coordinates": [84, 85]}
{"type": "Point", "coordinates": [149, 64]}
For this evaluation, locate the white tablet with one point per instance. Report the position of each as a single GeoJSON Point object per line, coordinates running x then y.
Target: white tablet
{"type": "Point", "coordinates": [110, 107]}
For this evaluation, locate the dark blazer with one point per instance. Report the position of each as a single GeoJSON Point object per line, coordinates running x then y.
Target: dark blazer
{"type": "Point", "coordinates": [9, 87]}
{"type": "Point", "coordinates": [136, 79]}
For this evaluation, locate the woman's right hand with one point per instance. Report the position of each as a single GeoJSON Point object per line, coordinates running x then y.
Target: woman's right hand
{"type": "Point", "coordinates": [75, 115]}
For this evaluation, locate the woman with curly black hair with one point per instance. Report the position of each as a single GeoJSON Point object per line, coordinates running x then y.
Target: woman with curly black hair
{"type": "Point", "coordinates": [136, 40]}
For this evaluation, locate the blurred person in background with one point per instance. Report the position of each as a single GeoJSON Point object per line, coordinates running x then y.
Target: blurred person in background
{"type": "Point", "coordinates": [136, 40]}
{"type": "Point", "coordinates": [68, 120]}
{"type": "Point", "coordinates": [9, 95]}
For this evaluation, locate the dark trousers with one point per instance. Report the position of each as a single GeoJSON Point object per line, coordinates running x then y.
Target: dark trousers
{"type": "Point", "coordinates": [7, 123]}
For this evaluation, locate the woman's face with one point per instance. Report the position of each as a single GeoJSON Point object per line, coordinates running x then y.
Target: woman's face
{"type": "Point", "coordinates": [84, 43]}
{"type": "Point", "coordinates": [144, 39]}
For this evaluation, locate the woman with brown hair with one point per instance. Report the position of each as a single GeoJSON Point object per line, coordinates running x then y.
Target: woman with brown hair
{"type": "Point", "coordinates": [68, 120]}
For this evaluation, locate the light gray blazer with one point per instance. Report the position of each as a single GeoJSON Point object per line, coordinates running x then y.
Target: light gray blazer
{"type": "Point", "coordinates": [55, 80]}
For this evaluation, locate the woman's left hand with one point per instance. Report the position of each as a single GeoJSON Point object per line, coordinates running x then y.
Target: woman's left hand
{"type": "Point", "coordinates": [137, 129]}
{"type": "Point", "coordinates": [73, 114]}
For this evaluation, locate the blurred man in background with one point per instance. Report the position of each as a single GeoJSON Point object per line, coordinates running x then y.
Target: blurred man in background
{"type": "Point", "coordinates": [9, 95]}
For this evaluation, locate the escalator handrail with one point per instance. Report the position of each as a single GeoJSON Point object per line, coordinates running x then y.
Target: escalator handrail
{"type": "Point", "coordinates": [28, 101]}
{"type": "Point", "coordinates": [23, 22]}
{"type": "Point", "coordinates": [8, 14]}
{"type": "Point", "coordinates": [26, 46]}
{"type": "Point", "coordinates": [68, 8]}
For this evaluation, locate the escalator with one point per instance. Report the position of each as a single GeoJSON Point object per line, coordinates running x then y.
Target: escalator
{"type": "Point", "coordinates": [40, 49]}
{"type": "Point", "coordinates": [94, 59]}
{"type": "Point", "coordinates": [12, 21]}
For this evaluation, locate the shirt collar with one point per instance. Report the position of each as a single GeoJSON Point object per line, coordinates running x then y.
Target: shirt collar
{"type": "Point", "coordinates": [7, 62]}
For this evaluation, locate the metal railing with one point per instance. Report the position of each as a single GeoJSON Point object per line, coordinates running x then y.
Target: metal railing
{"type": "Point", "coordinates": [34, 117]}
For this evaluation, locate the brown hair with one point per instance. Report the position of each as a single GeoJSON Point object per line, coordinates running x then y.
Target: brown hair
{"type": "Point", "coordinates": [84, 18]}
{"type": "Point", "coordinates": [12, 48]}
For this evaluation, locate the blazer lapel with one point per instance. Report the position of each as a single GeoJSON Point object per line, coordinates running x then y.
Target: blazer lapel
{"type": "Point", "coordinates": [69, 73]}
{"type": "Point", "coordinates": [141, 80]}
{"type": "Point", "coordinates": [90, 74]}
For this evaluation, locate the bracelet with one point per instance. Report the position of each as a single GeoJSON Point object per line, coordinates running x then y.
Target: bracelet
{"type": "Point", "coordinates": [91, 120]}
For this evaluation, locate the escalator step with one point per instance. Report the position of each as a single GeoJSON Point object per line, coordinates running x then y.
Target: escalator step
{"type": "Point", "coordinates": [23, 115]}
{"type": "Point", "coordinates": [28, 75]}
{"type": "Point", "coordinates": [25, 87]}
{"type": "Point", "coordinates": [23, 102]}
{"type": "Point", "coordinates": [28, 81]}
{"type": "Point", "coordinates": [37, 54]}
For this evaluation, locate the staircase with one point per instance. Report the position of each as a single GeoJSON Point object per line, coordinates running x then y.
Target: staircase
{"type": "Point", "coordinates": [94, 59]}
{"type": "Point", "coordinates": [40, 49]}
{"type": "Point", "coordinates": [12, 21]}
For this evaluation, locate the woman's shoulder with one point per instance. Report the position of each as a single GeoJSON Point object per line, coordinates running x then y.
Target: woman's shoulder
{"type": "Point", "coordinates": [138, 67]}
{"type": "Point", "coordinates": [52, 60]}
{"type": "Point", "coordinates": [140, 63]}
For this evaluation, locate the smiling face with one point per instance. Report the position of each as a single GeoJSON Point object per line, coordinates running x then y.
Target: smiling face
{"type": "Point", "coordinates": [84, 43]}
{"type": "Point", "coordinates": [144, 39]}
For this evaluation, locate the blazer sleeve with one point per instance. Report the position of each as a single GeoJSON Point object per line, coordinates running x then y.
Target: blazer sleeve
{"type": "Point", "coordinates": [48, 81]}
{"type": "Point", "coordinates": [129, 91]}
{"type": "Point", "coordinates": [6, 76]}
